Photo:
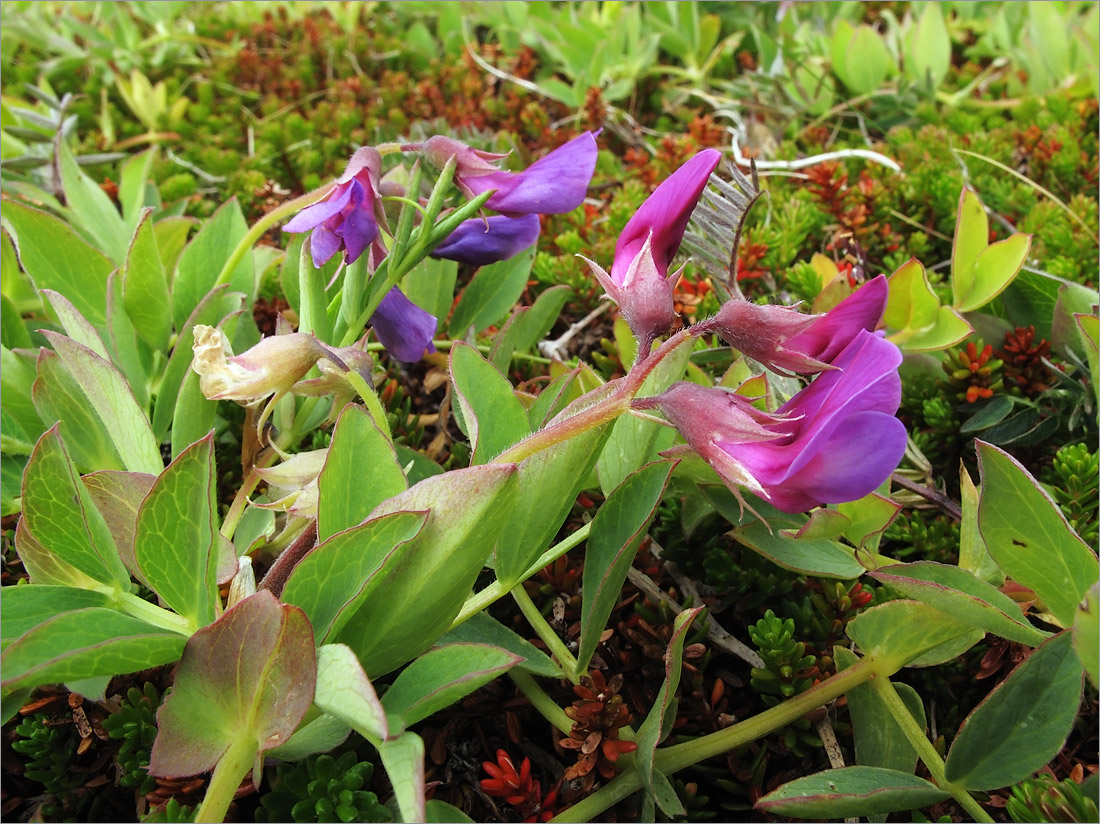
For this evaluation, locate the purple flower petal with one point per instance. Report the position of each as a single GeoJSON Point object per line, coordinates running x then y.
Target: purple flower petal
{"type": "Point", "coordinates": [313, 216]}
{"type": "Point", "coordinates": [479, 244]}
{"type": "Point", "coordinates": [553, 185]}
{"type": "Point", "coordinates": [831, 333]}
{"type": "Point", "coordinates": [358, 231]}
{"type": "Point", "coordinates": [404, 328]}
{"type": "Point", "coordinates": [665, 214]}
{"type": "Point", "coordinates": [323, 244]}
{"type": "Point", "coordinates": [860, 455]}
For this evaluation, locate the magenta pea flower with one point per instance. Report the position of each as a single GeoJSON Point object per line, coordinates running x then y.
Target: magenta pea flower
{"type": "Point", "coordinates": [834, 441]}
{"type": "Point", "coordinates": [639, 280]}
{"type": "Point", "coordinates": [785, 340]}
{"type": "Point", "coordinates": [552, 185]}
{"type": "Point", "coordinates": [480, 241]}
{"type": "Point", "coordinates": [348, 217]}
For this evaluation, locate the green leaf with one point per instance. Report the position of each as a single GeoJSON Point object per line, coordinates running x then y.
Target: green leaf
{"type": "Point", "coordinates": [995, 268]}
{"type": "Point", "coordinates": [117, 496]}
{"type": "Point", "coordinates": [244, 681]}
{"type": "Point", "coordinates": [482, 628]}
{"type": "Point", "coordinates": [960, 594]}
{"type": "Point", "coordinates": [57, 258]}
{"type": "Point", "coordinates": [879, 741]}
{"type": "Point", "coordinates": [535, 324]}
{"type": "Point", "coordinates": [902, 633]}
{"type": "Point", "coordinates": [868, 518]}
{"type": "Point", "coordinates": [431, 285]}
{"type": "Point", "coordinates": [1022, 724]}
{"type": "Point", "coordinates": [495, 419]}
{"type": "Point", "coordinates": [145, 286]}
{"type": "Point", "coordinates": [851, 792]}
{"type": "Point", "coordinates": [812, 556]}
{"type": "Point", "coordinates": [74, 324]}
{"type": "Point", "coordinates": [194, 415]}
{"type": "Point", "coordinates": [133, 356]}
{"type": "Point", "coordinates": [403, 758]}
{"type": "Point", "coordinates": [420, 589]}
{"type": "Point", "coordinates": [114, 403]}
{"type": "Point", "coordinates": [1028, 536]}
{"type": "Point", "coordinates": [175, 539]}
{"type": "Point", "coordinates": [440, 677]}
{"type": "Point", "coordinates": [83, 643]}
{"type": "Point", "coordinates": [440, 812]}
{"type": "Point", "coordinates": [1086, 633]}
{"type": "Point", "coordinates": [60, 514]}
{"type": "Point", "coordinates": [617, 531]}
{"type": "Point", "coordinates": [345, 692]}
{"type": "Point", "coordinates": [491, 294]}
{"type": "Point", "coordinates": [22, 608]}
{"type": "Point", "coordinates": [133, 175]}
{"type": "Point", "coordinates": [635, 441]}
{"type": "Point", "coordinates": [90, 207]}
{"type": "Point", "coordinates": [202, 259]}
{"type": "Point", "coordinates": [971, 239]}
{"type": "Point", "coordinates": [560, 392]}
{"type": "Point", "coordinates": [992, 413]}
{"type": "Point", "coordinates": [972, 553]}
{"type": "Point", "coordinates": [914, 310]}
{"type": "Point", "coordinates": [928, 53]}
{"type": "Point", "coordinates": [331, 580]}
{"type": "Point", "coordinates": [171, 233]}
{"type": "Point", "coordinates": [59, 399]}
{"type": "Point", "coordinates": [868, 61]}
{"type": "Point", "coordinates": [17, 376]}
{"type": "Point", "coordinates": [658, 724]}
{"type": "Point", "coordinates": [321, 734]}
{"type": "Point", "coordinates": [13, 329]}
{"type": "Point", "coordinates": [344, 499]}
{"type": "Point", "coordinates": [45, 567]}
{"type": "Point", "coordinates": [549, 482]}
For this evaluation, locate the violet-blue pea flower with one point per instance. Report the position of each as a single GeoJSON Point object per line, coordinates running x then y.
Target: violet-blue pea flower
{"type": "Point", "coordinates": [785, 340]}
{"type": "Point", "coordinates": [403, 328]}
{"type": "Point", "coordinates": [835, 441]}
{"type": "Point", "coordinates": [480, 241]}
{"type": "Point", "coordinates": [639, 280]}
{"type": "Point", "coordinates": [552, 185]}
{"type": "Point", "coordinates": [348, 217]}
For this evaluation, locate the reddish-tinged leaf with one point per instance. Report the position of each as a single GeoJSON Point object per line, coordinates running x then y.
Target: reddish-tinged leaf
{"type": "Point", "coordinates": [249, 676]}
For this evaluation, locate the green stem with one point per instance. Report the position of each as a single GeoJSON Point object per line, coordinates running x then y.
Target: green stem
{"type": "Point", "coordinates": [151, 613]}
{"type": "Point", "coordinates": [546, 633]}
{"type": "Point", "coordinates": [227, 777]}
{"type": "Point", "coordinates": [671, 759]}
{"type": "Point", "coordinates": [495, 591]}
{"type": "Point", "coordinates": [542, 702]}
{"type": "Point", "coordinates": [923, 747]}
{"type": "Point", "coordinates": [373, 404]}
{"type": "Point", "coordinates": [263, 224]}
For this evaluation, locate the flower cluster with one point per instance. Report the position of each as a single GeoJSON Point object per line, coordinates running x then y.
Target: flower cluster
{"type": "Point", "coordinates": [350, 216]}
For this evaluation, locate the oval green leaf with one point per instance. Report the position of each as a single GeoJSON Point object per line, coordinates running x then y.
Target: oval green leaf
{"type": "Point", "coordinates": [1022, 724]}
{"type": "Point", "coordinates": [962, 595]}
{"type": "Point", "coordinates": [851, 792]}
{"type": "Point", "coordinates": [898, 633]}
{"type": "Point", "coordinates": [440, 677]}
{"type": "Point", "coordinates": [1028, 536]}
